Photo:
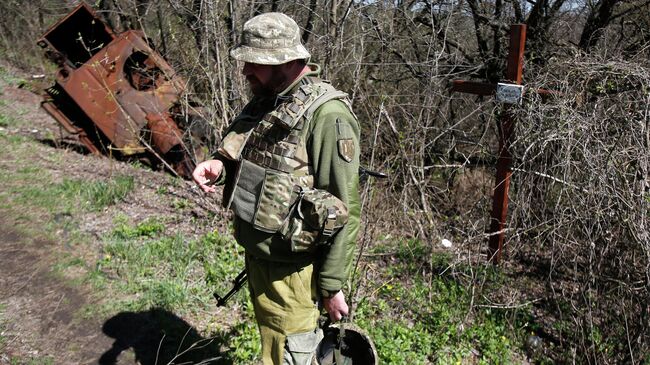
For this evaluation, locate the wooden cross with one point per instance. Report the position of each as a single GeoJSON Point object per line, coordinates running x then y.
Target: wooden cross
{"type": "Point", "coordinates": [504, 163]}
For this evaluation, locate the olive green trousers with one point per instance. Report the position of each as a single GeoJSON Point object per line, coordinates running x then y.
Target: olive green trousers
{"type": "Point", "coordinates": [285, 300]}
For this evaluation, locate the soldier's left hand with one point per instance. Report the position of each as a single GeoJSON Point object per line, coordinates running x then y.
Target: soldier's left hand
{"type": "Point", "coordinates": [336, 306]}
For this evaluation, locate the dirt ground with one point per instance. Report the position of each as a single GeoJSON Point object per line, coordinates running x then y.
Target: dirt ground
{"type": "Point", "coordinates": [40, 311]}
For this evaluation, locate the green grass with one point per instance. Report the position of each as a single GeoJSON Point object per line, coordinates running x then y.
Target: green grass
{"type": "Point", "coordinates": [73, 195]}
{"type": "Point", "coordinates": [9, 78]}
{"type": "Point", "coordinates": [414, 319]}
{"type": "Point", "coordinates": [6, 120]}
{"type": "Point", "coordinates": [168, 271]}
{"type": "Point", "coordinates": [150, 227]}
{"type": "Point", "coordinates": [146, 267]}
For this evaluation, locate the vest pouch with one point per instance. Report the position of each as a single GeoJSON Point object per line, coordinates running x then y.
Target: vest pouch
{"type": "Point", "coordinates": [247, 186]}
{"type": "Point", "coordinates": [300, 235]}
{"type": "Point", "coordinates": [275, 201]}
{"type": "Point", "coordinates": [317, 216]}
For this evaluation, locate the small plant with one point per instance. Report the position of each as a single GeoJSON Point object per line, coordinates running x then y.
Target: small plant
{"type": "Point", "coordinates": [243, 338]}
{"type": "Point", "coordinates": [180, 204]}
{"type": "Point", "coordinates": [166, 294]}
{"type": "Point", "coordinates": [245, 342]}
{"type": "Point", "coordinates": [6, 120]}
{"type": "Point", "coordinates": [148, 228]}
{"type": "Point", "coordinates": [400, 342]}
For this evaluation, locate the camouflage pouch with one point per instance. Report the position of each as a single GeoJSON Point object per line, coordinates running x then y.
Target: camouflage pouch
{"type": "Point", "coordinates": [316, 216]}
{"type": "Point", "coordinates": [276, 198]}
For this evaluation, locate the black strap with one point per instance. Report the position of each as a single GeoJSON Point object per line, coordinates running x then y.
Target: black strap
{"type": "Point", "coordinates": [339, 359]}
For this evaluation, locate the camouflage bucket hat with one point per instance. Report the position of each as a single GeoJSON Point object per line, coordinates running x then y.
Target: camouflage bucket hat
{"type": "Point", "coordinates": [270, 39]}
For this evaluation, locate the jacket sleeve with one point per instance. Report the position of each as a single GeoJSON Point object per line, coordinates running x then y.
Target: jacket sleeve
{"type": "Point", "coordinates": [334, 152]}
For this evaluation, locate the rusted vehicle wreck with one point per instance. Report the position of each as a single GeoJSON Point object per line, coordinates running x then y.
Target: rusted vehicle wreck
{"type": "Point", "coordinates": [115, 93]}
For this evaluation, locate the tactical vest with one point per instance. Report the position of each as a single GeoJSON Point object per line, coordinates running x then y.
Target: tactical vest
{"type": "Point", "coordinates": [273, 187]}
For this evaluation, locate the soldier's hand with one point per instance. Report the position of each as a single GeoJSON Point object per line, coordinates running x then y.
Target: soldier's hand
{"type": "Point", "coordinates": [336, 306]}
{"type": "Point", "coordinates": [206, 173]}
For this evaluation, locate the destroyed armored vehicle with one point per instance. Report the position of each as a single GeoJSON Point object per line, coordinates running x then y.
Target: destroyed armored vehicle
{"type": "Point", "coordinates": [116, 94]}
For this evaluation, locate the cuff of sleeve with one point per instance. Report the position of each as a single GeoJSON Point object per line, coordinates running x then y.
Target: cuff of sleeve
{"type": "Point", "coordinates": [222, 177]}
{"type": "Point", "coordinates": [329, 282]}
{"type": "Point", "coordinates": [328, 293]}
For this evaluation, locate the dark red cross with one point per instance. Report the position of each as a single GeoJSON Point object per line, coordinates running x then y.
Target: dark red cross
{"type": "Point", "coordinates": [504, 163]}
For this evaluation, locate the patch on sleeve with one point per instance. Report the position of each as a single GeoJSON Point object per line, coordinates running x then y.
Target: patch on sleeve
{"type": "Point", "coordinates": [346, 149]}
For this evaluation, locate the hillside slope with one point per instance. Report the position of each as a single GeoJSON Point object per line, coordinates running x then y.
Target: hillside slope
{"type": "Point", "coordinates": [58, 221]}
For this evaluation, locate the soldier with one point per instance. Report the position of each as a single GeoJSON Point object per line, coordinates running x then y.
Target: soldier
{"type": "Point", "coordinates": [289, 162]}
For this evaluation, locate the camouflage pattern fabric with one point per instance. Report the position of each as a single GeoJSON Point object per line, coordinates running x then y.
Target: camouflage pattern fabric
{"type": "Point", "coordinates": [317, 217]}
{"type": "Point", "coordinates": [317, 206]}
{"type": "Point", "coordinates": [270, 39]}
{"type": "Point", "coordinates": [232, 144]}
{"type": "Point", "coordinates": [275, 145]}
{"type": "Point", "coordinates": [300, 236]}
{"type": "Point", "coordinates": [275, 201]}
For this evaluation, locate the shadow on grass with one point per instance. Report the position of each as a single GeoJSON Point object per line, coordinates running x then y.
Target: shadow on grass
{"type": "Point", "coordinates": [158, 336]}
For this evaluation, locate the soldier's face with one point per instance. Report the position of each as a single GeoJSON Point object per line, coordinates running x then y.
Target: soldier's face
{"type": "Point", "coordinates": [264, 80]}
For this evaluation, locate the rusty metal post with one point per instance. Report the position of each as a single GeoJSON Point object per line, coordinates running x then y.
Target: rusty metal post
{"type": "Point", "coordinates": [504, 163]}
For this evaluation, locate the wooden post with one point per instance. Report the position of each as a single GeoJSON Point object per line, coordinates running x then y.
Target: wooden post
{"type": "Point", "coordinates": [505, 124]}
{"type": "Point", "coordinates": [504, 163]}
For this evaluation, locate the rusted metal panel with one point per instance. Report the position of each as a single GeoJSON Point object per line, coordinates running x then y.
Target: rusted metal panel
{"type": "Point", "coordinates": [113, 90]}
{"type": "Point", "coordinates": [164, 132]}
{"type": "Point", "coordinates": [515, 67]}
{"type": "Point", "coordinates": [69, 126]}
{"type": "Point", "coordinates": [118, 101]}
{"type": "Point", "coordinates": [76, 37]}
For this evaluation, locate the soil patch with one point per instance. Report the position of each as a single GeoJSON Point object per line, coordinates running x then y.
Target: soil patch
{"type": "Point", "coordinates": [41, 316]}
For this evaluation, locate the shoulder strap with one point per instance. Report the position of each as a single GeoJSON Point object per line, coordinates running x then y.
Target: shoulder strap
{"type": "Point", "coordinates": [321, 92]}
{"type": "Point", "coordinates": [310, 96]}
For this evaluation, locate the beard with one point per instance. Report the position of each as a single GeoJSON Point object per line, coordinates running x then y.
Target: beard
{"type": "Point", "coordinates": [271, 88]}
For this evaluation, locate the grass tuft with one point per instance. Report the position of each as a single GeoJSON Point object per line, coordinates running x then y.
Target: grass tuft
{"type": "Point", "coordinates": [73, 194]}
{"type": "Point", "coordinates": [149, 228]}
{"type": "Point", "coordinates": [168, 271]}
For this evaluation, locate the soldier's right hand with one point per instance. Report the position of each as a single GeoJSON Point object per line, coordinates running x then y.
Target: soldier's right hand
{"type": "Point", "coordinates": [206, 174]}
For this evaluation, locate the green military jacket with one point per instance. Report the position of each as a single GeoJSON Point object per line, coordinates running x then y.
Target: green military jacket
{"type": "Point", "coordinates": [330, 145]}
